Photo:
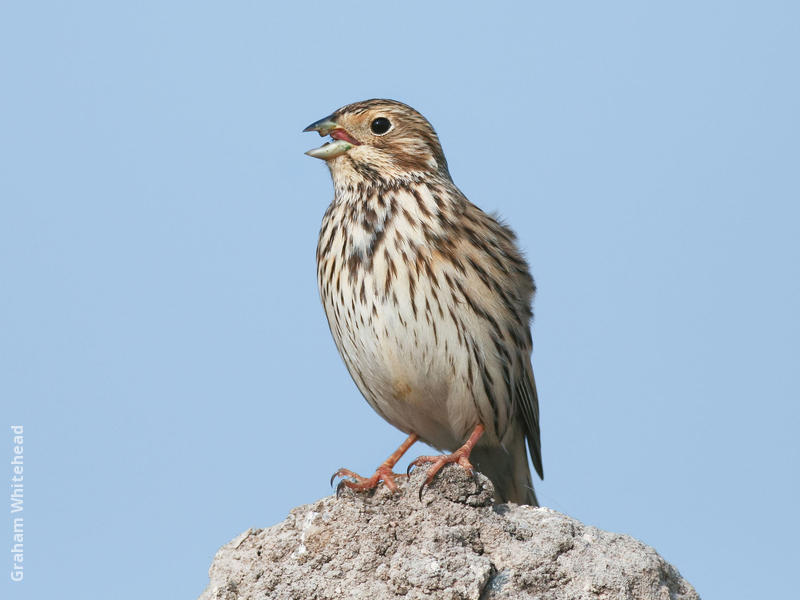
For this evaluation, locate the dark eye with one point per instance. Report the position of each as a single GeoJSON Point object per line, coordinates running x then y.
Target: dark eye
{"type": "Point", "coordinates": [380, 126]}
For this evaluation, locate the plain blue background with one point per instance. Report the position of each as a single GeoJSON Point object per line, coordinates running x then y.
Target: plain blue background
{"type": "Point", "coordinates": [161, 336]}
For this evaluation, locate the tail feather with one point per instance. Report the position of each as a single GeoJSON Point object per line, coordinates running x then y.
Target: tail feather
{"type": "Point", "coordinates": [509, 471]}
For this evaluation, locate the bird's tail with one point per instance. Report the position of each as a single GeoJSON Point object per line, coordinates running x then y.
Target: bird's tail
{"type": "Point", "coordinates": [508, 469]}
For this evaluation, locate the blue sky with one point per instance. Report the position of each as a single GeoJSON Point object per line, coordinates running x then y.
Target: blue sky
{"type": "Point", "coordinates": [161, 336]}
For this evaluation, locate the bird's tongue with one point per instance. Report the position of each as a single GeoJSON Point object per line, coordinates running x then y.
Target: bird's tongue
{"type": "Point", "coordinates": [341, 134]}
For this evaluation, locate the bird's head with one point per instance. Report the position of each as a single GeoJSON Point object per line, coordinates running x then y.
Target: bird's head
{"type": "Point", "coordinates": [379, 140]}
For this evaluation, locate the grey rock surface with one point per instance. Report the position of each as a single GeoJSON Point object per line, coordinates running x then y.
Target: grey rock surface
{"type": "Point", "coordinates": [454, 544]}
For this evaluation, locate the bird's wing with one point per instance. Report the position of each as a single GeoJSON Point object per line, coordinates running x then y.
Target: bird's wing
{"type": "Point", "coordinates": [503, 261]}
{"type": "Point", "coordinates": [527, 402]}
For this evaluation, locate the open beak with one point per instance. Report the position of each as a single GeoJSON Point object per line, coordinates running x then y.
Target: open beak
{"type": "Point", "coordinates": [342, 141]}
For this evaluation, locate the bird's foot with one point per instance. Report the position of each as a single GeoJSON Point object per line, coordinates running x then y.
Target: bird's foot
{"type": "Point", "coordinates": [460, 457]}
{"type": "Point", "coordinates": [383, 474]}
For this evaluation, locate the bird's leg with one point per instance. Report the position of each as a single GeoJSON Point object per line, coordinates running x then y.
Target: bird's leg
{"type": "Point", "coordinates": [382, 473]}
{"type": "Point", "coordinates": [460, 456]}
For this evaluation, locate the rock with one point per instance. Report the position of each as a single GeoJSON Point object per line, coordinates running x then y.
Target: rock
{"type": "Point", "coordinates": [454, 544]}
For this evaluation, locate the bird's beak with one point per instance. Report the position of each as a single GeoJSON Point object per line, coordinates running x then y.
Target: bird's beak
{"type": "Point", "coordinates": [343, 141]}
{"type": "Point", "coordinates": [323, 126]}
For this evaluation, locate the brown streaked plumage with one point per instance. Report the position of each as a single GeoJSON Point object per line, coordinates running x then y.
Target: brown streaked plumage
{"type": "Point", "coordinates": [428, 299]}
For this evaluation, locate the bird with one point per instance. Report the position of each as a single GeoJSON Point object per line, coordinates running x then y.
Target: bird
{"type": "Point", "coordinates": [429, 302]}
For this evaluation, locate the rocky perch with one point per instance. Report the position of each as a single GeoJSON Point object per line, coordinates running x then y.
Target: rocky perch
{"type": "Point", "coordinates": [454, 544]}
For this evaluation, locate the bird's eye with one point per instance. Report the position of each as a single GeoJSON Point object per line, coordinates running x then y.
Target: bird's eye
{"type": "Point", "coordinates": [380, 126]}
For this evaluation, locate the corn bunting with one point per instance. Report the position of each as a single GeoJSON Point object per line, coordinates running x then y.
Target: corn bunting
{"type": "Point", "coordinates": [428, 300]}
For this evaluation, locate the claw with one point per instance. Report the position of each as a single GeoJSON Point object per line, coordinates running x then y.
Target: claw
{"type": "Point", "coordinates": [345, 473]}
